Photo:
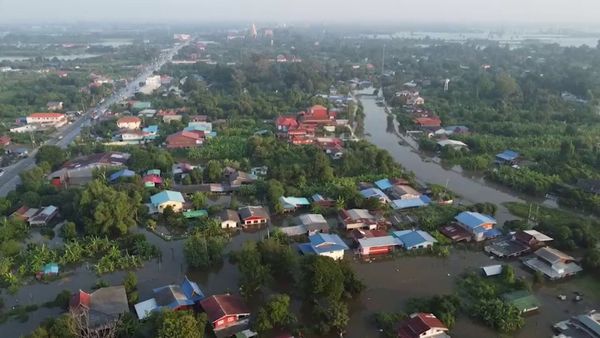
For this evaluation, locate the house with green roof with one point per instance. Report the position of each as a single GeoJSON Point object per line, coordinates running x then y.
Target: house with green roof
{"type": "Point", "coordinates": [522, 300]}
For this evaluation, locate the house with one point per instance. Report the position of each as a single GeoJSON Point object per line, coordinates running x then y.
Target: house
{"type": "Point", "coordinates": [377, 245]}
{"type": "Point", "coordinates": [229, 219]}
{"type": "Point", "coordinates": [518, 243]}
{"type": "Point", "coordinates": [532, 238]}
{"type": "Point", "coordinates": [375, 193]}
{"type": "Point", "coordinates": [259, 171]}
{"type": "Point", "coordinates": [553, 263]}
{"type": "Point", "coordinates": [286, 123]}
{"type": "Point", "coordinates": [403, 191]}
{"type": "Point", "coordinates": [480, 226]}
{"type": "Point", "coordinates": [322, 201]}
{"type": "Point", "coordinates": [414, 239]}
{"type": "Point", "coordinates": [422, 325]}
{"type": "Point", "coordinates": [47, 119]}
{"type": "Point", "coordinates": [167, 198]}
{"type": "Point", "coordinates": [451, 130]}
{"type": "Point", "coordinates": [132, 135]}
{"type": "Point", "coordinates": [358, 218]}
{"type": "Point", "coordinates": [428, 122]}
{"type": "Point", "coordinates": [508, 157]}
{"type": "Point", "coordinates": [170, 115]}
{"type": "Point", "coordinates": [54, 105]}
{"type": "Point", "coordinates": [171, 297]}
{"type": "Point", "coordinates": [24, 213]}
{"type": "Point", "coordinates": [81, 170]}
{"type": "Point", "coordinates": [324, 245]}
{"type": "Point", "coordinates": [384, 184]}
{"type": "Point", "coordinates": [313, 223]}
{"type": "Point", "coordinates": [225, 311]}
{"type": "Point", "coordinates": [492, 270]}
{"type": "Point", "coordinates": [150, 132]}
{"type": "Point", "coordinates": [253, 215]}
{"type": "Point", "coordinates": [237, 178]}
{"type": "Point", "coordinates": [522, 300]}
{"type": "Point", "coordinates": [204, 126]}
{"type": "Point", "coordinates": [44, 216]}
{"type": "Point", "coordinates": [189, 214]}
{"type": "Point", "coordinates": [129, 122]}
{"type": "Point", "coordinates": [456, 233]}
{"type": "Point", "coordinates": [581, 326]}
{"type": "Point", "coordinates": [123, 173]}
{"type": "Point", "coordinates": [293, 203]}
{"type": "Point", "coordinates": [417, 202]}
{"type": "Point", "coordinates": [140, 105]}
{"type": "Point", "coordinates": [147, 113]}
{"type": "Point", "coordinates": [317, 114]}
{"type": "Point", "coordinates": [103, 306]}
{"type": "Point", "coordinates": [185, 139]}
{"type": "Point", "coordinates": [152, 181]}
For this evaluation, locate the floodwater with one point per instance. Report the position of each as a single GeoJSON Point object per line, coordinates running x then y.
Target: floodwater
{"type": "Point", "coordinates": [470, 187]}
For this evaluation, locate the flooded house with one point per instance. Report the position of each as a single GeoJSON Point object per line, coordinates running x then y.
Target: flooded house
{"type": "Point", "coordinates": [102, 307]}
{"type": "Point", "coordinates": [227, 314]}
{"type": "Point", "coordinates": [253, 215]}
{"type": "Point", "coordinates": [414, 239]}
{"type": "Point", "coordinates": [554, 264]}
{"type": "Point", "coordinates": [422, 325]}
{"type": "Point", "coordinates": [168, 198]}
{"type": "Point", "coordinates": [324, 245]}
{"type": "Point", "coordinates": [172, 298]}
{"type": "Point", "coordinates": [358, 219]}
{"type": "Point", "coordinates": [481, 227]}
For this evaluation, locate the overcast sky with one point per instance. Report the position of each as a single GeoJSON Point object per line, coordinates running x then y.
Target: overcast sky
{"type": "Point", "coordinates": [321, 11]}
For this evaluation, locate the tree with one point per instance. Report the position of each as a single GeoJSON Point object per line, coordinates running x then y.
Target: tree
{"type": "Point", "coordinates": [180, 324]}
{"type": "Point", "coordinates": [275, 314]}
{"type": "Point", "coordinates": [205, 246]}
{"type": "Point", "coordinates": [69, 231]}
{"type": "Point", "coordinates": [106, 211]}
{"type": "Point", "coordinates": [198, 200]}
{"type": "Point", "coordinates": [213, 171]}
{"type": "Point", "coordinates": [322, 278]}
{"type": "Point", "coordinates": [253, 273]}
{"type": "Point", "coordinates": [53, 155]}
{"type": "Point", "coordinates": [498, 315]}
{"type": "Point", "coordinates": [130, 283]}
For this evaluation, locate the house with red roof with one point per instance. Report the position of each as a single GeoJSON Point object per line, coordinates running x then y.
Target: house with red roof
{"type": "Point", "coordinates": [226, 311]}
{"type": "Point", "coordinates": [185, 139]}
{"type": "Point", "coordinates": [422, 325]}
{"type": "Point", "coordinates": [428, 122]}
{"type": "Point", "coordinates": [318, 114]}
{"type": "Point", "coordinates": [104, 306]}
{"type": "Point", "coordinates": [52, 119]}
{"type": "Point", "coordinates": [286, 123]}
{"type": "Point", "coordinates": [129, 122]}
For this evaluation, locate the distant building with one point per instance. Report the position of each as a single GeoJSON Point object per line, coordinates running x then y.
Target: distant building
{"type": "Point", "coordinates": [415, 239]}
{"type": "Point", "coordinates": [358, 219]}
{"type": "Point", "coordinates": [185, 139]}
{"type": "Point", "coordinates": [47, 119]}
{"type": "Point", "coordinates": [507, 157]}
{"type": "Point", "coordinates": [586, 325]}
{"type": "Point", "coordinates": [54, 105]}
{"type": "Point", "coordinates": [81, 170]}
{"type": "Point", "coordinates": [129, 122]}
{"type": "Point", "coordinates": [522, 300]}
{"type": "Point", "coordinates": [171, 297]}
{"type": "Point", "coordinates": [229, 219]}
{"type": "Point", "coordinates": [480, 226]}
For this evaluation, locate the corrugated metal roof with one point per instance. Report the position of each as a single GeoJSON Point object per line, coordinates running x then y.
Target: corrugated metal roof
{"type": "Point", "coordinates": [474, 219]}
{"type": "Point", "coordinates": [166, 196]}
{"type": "Point", "coordinates": [412, 238]}
{"type": "Point", "coordinates": [379, 241]}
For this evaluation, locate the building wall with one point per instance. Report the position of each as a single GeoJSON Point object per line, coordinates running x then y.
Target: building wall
{"type": "Point", "coordinates": [177, 206]}
{"type": "Point", "coordinates": [252, 221]}
{"type": "Point", "coordinates": [377, 250]}
{"type": "Point", "coordinates": [337, 255]}
{"type": "Point", "coordinates": [226, 321]}
{"type": "Point", "coordinates": [128, 125]}
{"type": "Point", "coordinates": [228, 224]}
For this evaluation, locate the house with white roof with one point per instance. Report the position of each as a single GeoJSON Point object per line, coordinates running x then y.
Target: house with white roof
{"type": "Point", "coordinates": [324, 245]}
{"type": "Point", "coordinates": [553, 263]}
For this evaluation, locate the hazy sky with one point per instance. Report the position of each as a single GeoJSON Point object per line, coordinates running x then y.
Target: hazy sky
{"type": "Point", "coordinates": [322, 11]}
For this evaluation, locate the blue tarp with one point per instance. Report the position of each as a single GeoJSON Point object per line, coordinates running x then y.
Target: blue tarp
{"type": "Point", "coordinates": [383, 184]}
{"type": "Point", "coordinates": [51, 269]}
{"type": "Point", "coordinates": [121, 173]}
{"type": "Point", "coordinates": [507, 155]}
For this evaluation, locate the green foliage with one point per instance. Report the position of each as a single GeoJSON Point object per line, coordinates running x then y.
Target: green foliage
{"type": "Point", "coordinates": [61, 300]}
{"type": "Point", "coordinates": [444, 307]}
{"type": "Point", "coordinates": [180, 324]}
{"type": "Point", "coordinates": [275, 314]}
{"type": "Point", "coordinates": [205, 246]}
{"type": "Point", "coordinates": [198, 200]}
{"type": "Point", "coordinates": [387, 322]}
{"type": "Point", "coordinates": [69, 231]}
{"type": "Point", "coordinates": [106, 211]}
{"type": "Point", "coordinates": [253, 273]}
{"type": "Point", "coordinates": [498, 315]}
{"type": "Point", "coordinates": [53, 155]}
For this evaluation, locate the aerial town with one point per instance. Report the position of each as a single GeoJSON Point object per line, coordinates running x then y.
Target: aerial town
{"type": "Point", "coordinates": [277, 181]}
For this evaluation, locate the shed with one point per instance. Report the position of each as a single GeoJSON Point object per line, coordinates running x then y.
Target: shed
{"type": "Point", "coordinates": [50, 269]}
{"type": "Point", "coordinates": [492, 270]}
{"type": "Point", "coordinates": [522, 300]}
{"type": "Point", "coordinates": [195, 213]}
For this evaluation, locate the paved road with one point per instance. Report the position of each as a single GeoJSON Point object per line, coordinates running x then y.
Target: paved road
{"type": "Point", "coordinates": [67, 134]}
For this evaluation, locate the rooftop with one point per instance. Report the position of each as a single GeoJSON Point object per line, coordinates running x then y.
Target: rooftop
{"type": "Point", "coordinates": [219, 306]}
{"type": "Point", "coordinates": [166, 196]}
{"type": "Point", "coordinates": [412, 238]}
{"type": "Point", "coordinates": [474, 219]}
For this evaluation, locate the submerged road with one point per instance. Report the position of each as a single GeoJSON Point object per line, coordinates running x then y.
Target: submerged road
{"type": "Point", "coordinates": [65, 135]}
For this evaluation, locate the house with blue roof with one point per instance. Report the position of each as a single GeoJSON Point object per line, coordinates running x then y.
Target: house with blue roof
{"type": "Point", "coordinates": [480, 226]}
{"type": "Point", "coordinates": [384, 184]}
{"type": "Point", "coordinates": [171, 297]}
{"type": "Point", "coordinates": [150, 132]}
{"type": "Point", "coordinates": [293, 203]}
{"type": "Point", "coordinates": [121, 174]}
{"type": "Point", "coordinates": [414, 239]}
{"type": "Point", "coordinates": [410, 203]}
{"type": "Point", "coordinates": [324, 245]}
{"type": "Point", "coordinates": [168, 198]}
{"type": "Point", "coordinates": [375, 193]}
{"type": "Point", "coordinates": [50, 269]}
{"type": "Point", "coordinates": [508, 157]}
